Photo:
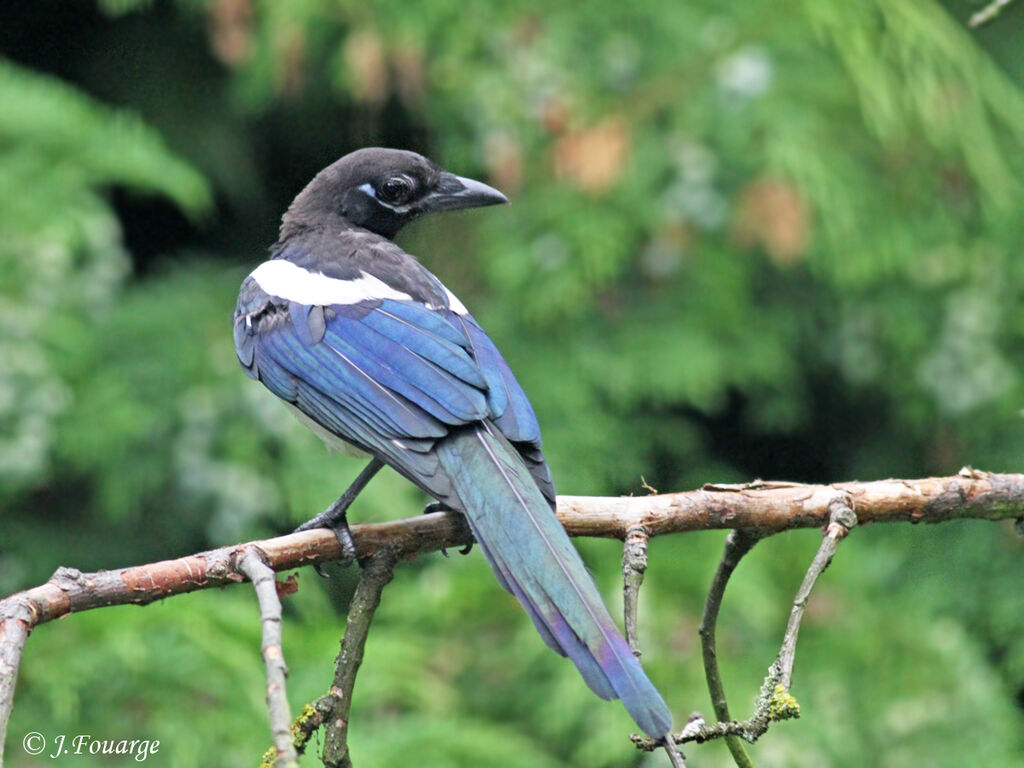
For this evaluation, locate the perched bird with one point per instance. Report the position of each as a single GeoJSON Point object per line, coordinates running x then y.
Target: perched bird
{"type": "Point", "coordinates": [373, 353]}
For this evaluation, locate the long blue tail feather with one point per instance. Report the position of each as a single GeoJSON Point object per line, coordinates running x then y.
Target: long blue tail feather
{"type": "Point", "coordinates": [534, 559]}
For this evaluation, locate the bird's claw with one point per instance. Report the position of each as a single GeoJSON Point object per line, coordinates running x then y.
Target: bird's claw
{"type": "Point", "coordinates": [439, 506]}
{"type": "Point", "coordinates": [348, 546]}
{"type": "Point", "coordinates": [334, 518]}
{"type": "Point", "coordinates": [338, 525]}
{"type": "Point", "coordinates": [436, 506]}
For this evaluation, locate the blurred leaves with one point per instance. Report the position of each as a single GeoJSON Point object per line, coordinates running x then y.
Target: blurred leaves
{"type": "Point", "coordinates": [48, 126]}
{"type": "Point", "coordinates": [61, 259]}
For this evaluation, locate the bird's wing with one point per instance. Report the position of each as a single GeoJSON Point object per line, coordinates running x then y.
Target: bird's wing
{"type": "Point", "coordinates": [515, 418]}
{"type": "Point", "coordinates": [389, 375]}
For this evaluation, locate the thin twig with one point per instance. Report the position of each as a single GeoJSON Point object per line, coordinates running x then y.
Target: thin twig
{"type": "Point", "coordinates": [634, 564]}
{"type": "Point", "coordinates": [377, 572]}
{"type": "Point", "coordinates": [675, 755]}
{"type": "Point", "coordinates": [775, 702]}
{"type": "Point", "coordinates": [843, 519]}
{"type": "Point", "coordinates": [16, 622]}
{"type": "Point", "coordinates": [737, 544]}
{"type": "Point", "coordinates": [698, 731]}
{"type": "Point", "coordinates": [306, 724]}
{"type": "Point", "coordinates": [989, 12]}
{"type": "Point", "coordinates": [260, 574]}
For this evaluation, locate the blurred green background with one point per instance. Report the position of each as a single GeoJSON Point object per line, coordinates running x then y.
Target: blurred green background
{"type": "Point", "coordinates": [750, 239]}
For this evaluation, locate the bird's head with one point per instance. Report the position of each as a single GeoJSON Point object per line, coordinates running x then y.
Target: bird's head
{"type": "Point", "coordinates": [382, 190]}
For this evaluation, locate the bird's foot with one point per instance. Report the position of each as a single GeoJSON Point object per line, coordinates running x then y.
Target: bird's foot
{"type": "Point", "coordinates": [440, 506]}
{"type": "Point", "coordinates": [334, 519]}
{"type": "Point", "coordinates": [436, 506]}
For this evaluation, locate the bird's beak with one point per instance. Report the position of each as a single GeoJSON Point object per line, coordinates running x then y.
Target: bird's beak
{"type": "Point", "coordinates": [454, 192]}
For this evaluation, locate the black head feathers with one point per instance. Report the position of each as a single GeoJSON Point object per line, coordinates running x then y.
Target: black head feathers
{"type": "Point", "coordinates": [382, 190]}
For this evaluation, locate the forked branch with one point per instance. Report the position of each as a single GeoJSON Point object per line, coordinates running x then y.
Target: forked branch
{"type": "Point", "coordinates": [759, 507]}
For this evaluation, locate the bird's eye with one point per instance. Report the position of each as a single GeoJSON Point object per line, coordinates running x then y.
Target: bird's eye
{"type": "Point", "coordinates": [395, 189]}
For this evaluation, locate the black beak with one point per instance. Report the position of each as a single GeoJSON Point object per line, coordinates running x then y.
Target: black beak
{"type": "Point", "coordinates": [454, 192]}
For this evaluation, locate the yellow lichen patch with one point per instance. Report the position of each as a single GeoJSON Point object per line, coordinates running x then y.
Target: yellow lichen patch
{"type": "Point", "coordinates": [783, 705]}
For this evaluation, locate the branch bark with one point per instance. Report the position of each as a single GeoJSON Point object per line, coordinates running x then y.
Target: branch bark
{"type": "Point", "coordinates": [377, 572]}
{"type": "Point", "coordinates": [771, 507]}
{"type": "Point", "coordinates": [263, 581]}
{"type": "Point", "coordinates": [843, 520]}
{"type": "Point", "coordinates": [766, 507]}
{"type": "Point", "coordinates": [737, 544]}
{"type": "Point", "coordinates": [988, 13]}
{"type": "Point", "coordinates": [634, 564]}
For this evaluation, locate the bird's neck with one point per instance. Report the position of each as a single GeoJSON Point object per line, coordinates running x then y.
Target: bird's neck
{"type": "Point", "coordinates": [321, 244]}
{"type": "Point", "coordinates": [297, 222]}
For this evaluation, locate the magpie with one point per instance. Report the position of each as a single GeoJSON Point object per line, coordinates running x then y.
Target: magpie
{"type": "Point", "coordinates": [375, 355]}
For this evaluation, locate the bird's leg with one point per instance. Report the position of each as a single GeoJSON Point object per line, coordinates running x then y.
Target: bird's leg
{"type": "Point", "coordinates": [334, 517]}
{"type": "Point", "coordinates": [440, 506]}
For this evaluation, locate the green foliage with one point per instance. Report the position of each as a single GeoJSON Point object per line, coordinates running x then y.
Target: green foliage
{"type": "Point", "coordinates": [753, 239]}
{"type": "Point", "coordinates": [61, 259]}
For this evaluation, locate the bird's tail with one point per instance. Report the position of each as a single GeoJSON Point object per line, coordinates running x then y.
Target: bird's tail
{"type": "Point", "coordinates": [533, 558]}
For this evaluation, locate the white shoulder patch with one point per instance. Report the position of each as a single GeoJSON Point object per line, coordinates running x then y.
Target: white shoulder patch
{"type": "Point", "coordinates": [291, 282]}
{"type": "Point", "coordinates": [454, 304]}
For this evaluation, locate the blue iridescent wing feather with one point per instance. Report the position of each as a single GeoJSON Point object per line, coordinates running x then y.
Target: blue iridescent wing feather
{"type": "Point", "coordinates": [400, 369]}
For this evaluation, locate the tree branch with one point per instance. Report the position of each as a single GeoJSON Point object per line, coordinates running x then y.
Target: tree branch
{"type": "Point", "coordinates": [775, 506]}
{"type": "Point", "coordinates": [377, 572]}
{"type": "Point", "coordinates": [262, 577]}
{"type": "Point", "coordinates": [774, 702]}
{"type": "Point", "coordinates": [988, 13]}
{"type": "Point", "coordinates": [737, 544]}
{"type": "Point", "coordinates": [634, 564]}
{"type": "Point", "coordinates": [843, 519]}
{"type": "Point", "coordinates": [760, 506]}
{"type": "Point", "coordinates": [16, 622]}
